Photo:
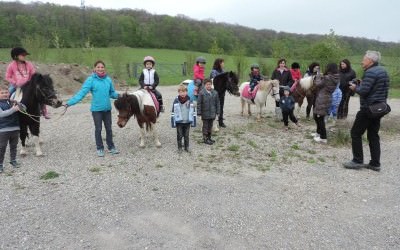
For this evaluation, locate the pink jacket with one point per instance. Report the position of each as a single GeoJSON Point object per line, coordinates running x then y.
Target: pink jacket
{"type": "Point", "coordinates": [198, 72]}
{"type": "Point", "coordinates": [18, 74]}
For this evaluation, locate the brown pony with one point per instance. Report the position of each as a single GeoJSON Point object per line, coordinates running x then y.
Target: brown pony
{"type": "Point", "coordinates": [305, 89]}
{"type": "Point", "coordinates": [140, 105]}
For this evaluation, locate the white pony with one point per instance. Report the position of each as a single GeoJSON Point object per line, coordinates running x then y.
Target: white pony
{"type": "Point", "coordinates": [260, 98]}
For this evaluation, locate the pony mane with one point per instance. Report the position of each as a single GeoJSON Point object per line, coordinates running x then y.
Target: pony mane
{"type": "Point", "coordinates": [128, 103]}
{"type": "Point", "coordinates": [265, 84]}
{"type": "Point", "coordinates": [307, 82]}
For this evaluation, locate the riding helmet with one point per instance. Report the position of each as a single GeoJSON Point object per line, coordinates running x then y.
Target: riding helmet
{"type": "Point", "coordinates": [200, 59]}
{"type": "Point", "coordinates": [149, 59]}
{"type": "Point", "coordinates": [15, 52]}
{"type": "Point", "coordinates": [254, 66]}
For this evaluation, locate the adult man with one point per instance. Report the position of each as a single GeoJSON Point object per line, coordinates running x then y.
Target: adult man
{"type": "Point", "coordinates": [373, 88]}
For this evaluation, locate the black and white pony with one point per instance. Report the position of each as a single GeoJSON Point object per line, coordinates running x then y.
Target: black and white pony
{"type": "Point", "coordinates": [36, 92]}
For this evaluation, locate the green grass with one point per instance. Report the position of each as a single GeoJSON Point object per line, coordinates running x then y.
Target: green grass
{"type": "Point", "coordinates": [234, 148]}
{"type": "Point", "coordinates": [128, 55]}
{"type": "Point", "coordinates": [49, 175]}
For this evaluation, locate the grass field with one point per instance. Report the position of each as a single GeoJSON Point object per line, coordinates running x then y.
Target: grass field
{"type": "Point", "coordinates": [117, 58]}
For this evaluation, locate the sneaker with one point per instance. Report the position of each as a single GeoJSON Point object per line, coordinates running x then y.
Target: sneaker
{"type": "Point", "coordinates": [314, 134]}
{"type": "Point", "coordinates": [188, 150]}
{"type": "Point", "coordinates": [100, 152]}
{"type": "Point", "coordinates": [353, 165]}
{"type": "Point", "coordinates": [375, 168]}
{"type": "Point", "coordinates": [222, 125]}
{"type": "Point", "coordinates": [318, 139]}
{"type": "Point", "coordinates": [14, 163]}
{"type": "Point", "coordinates": [113, 151]}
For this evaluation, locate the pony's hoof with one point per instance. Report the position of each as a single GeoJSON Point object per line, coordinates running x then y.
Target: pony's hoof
{"type": "Point", "coordinates": [141, 146]}
{"type": "Point", "coordinates": [158, 145]}
{"type": "Point", "coordinates": [39, 154]}
{"type": "Point", "coordinates": [22, 153]}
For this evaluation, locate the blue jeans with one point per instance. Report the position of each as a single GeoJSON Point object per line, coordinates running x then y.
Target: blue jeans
{"type": "Point", "coordinates": [98, 118]}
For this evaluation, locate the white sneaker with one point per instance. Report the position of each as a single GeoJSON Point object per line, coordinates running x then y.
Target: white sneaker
{"type": "Point", "coordinates": [318, 139]}
{"type": "Point", "coordinates": [314, 135]}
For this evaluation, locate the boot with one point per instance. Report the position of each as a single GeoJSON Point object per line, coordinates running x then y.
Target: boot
{"type": "Point", "coordinates": [160, 102]}
{"type": "Point", "coordinates": [221, 124]}
{"type": "Point", "coordinates": [209, 138]}
{"type": "Point", "coordinates": [206, 140]}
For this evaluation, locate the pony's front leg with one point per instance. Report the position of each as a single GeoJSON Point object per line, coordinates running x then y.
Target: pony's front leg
{"type": "Point", "coordinates": [215, 127]}
{"type": "Point", "coordinates": [248, 109]}
{"type": "Point", "coordinates": [23, 134]}
{"type": "Point", "coordinates": [298, 110]}
{"type": "Point", "coordinates": [242, 102]}
{"type": "Point", "coordinates": [156, 140]}
{"type": "Point", "coordinates": [37, 145]}
{"type": "Point", "coordinates": [259, 113]}
{"type": "Point", "coordinates": [142, 137]}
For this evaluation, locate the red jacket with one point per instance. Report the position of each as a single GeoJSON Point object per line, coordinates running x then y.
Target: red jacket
{"type": "Point", "coordinates": [198, 72]}
{"type": "Point", "coordinates": [296, 74]}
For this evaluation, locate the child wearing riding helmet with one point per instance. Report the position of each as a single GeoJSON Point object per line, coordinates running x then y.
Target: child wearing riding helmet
{"type": "Point", "coordinates": [218, 68]}
{"type": "Point", "coordinates": [198, 73]}
{"type": "Point", "coordinates": [149, 79]}
{"type": "Point", "coordinates": [296, 75]}
{"type": "Point", "coordinates": [255, 76]}
{"type": "Point", "coordinates": [20, 71]}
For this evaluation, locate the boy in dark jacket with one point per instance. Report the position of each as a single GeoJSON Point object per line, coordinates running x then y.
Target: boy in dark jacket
{"type": "Point", "coordinates": [287, 106]}
{"type": "Point", "coordinates": [208, 109]}
{"type": "Point", "coordinates": [9, 127]}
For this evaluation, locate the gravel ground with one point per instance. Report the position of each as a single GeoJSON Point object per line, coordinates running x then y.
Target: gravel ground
{"type": "Point", "coordinates": [258, 187]}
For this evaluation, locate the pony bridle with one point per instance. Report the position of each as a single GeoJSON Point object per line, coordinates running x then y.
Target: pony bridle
{"type": "Point", "coordinates": [46, 97]}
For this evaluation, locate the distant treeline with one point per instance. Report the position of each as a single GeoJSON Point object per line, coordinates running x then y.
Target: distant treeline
{"type": "Point", "coordinates": [65, 26]}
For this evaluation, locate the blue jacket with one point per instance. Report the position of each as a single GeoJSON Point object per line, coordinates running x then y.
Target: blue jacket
{"type": "Point", "coordinates": [102, 90]}
{"type": "Point", "coordinates": [9, 119]}
{"type": "Point", "coordinates": [183, 113]}
{"type": "Point", "coordinates": [287, 103]}
{"type": "Point", "coordinates": [375, 75]}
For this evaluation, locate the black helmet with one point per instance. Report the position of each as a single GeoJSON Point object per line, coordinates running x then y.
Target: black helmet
{"type": "Point", "coordinates": [200, 59]}
{"type": "Point", "coordinates": [254, 66]}
{"type": "Point", "coordinates": [15, 52]}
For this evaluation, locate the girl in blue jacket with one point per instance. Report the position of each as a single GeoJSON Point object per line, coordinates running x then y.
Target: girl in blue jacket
{"type": "Point", "coordinates": [102, 89]}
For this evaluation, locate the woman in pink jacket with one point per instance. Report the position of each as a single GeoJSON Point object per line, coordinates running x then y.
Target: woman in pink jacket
{"type": "Point", "coordinates": [20, 71]}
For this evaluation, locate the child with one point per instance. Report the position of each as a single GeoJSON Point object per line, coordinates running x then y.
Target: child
{"type": "Point", "coordinates": [183, 115]}
{"type": "Point", "coordinates": [333, 109]}
{"type": "Point", "coordinates": [208, 109]}
{"type": "Point", "coordinates": [20, 71]}
{"type": "Point", "coordinates": [255, 76]}
{"type": "Point", "coordinates": [9, 127]}
{"type": "Point", "coordinates": [198, 74]}
{"type": "Point", "coordinates": [287, 107]}
{"type": "Point", "coordinates": [296, 75]}
{"type": "Point", "coordinates": [102, 89]}
{"type": "Point", "coordinates": [149, 79]}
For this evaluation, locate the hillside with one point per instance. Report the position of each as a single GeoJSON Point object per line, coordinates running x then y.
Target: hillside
{"type": "Point", "coordinates": [65, 26]}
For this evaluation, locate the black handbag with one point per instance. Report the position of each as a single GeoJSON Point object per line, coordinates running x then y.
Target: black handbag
{"type": "Point", "coordinates": [378, 110]}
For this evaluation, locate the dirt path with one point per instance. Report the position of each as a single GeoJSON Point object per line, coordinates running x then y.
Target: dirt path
{"type": "Point", "coordinates": [258, 187]}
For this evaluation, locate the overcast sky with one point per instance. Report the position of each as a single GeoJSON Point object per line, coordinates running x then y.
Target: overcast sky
{"type": "Point", "coordinates": [358, 18]}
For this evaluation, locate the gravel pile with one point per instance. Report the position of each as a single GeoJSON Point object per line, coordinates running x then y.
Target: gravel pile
{"type": "Point", "coordinates": [258, 187]}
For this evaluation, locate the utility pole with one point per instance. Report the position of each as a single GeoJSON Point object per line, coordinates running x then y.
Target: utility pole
{"type": "Point", "coordinates": [83, 22]}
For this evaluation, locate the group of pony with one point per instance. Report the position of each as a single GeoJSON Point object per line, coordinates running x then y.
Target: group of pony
{"type": "Point", "coordinates": [140, 104]}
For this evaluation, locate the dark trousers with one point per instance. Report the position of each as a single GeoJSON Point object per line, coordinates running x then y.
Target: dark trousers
{"type": "Point", "coordinates": [11, 137]}
{"type": "Point", "coordinates": [182, 131]}
{"type": "Point", "coordinates": [100, 117]}
{"type": "Point", "coordinates": [343, 108]}
{"type": "Point", "coordinates": [158, 96]}
{"type": "Point", "coordinates": [286, 115]}
{"type": "Point", "coordinates": [207, 127]}
{"type": "Point", "coordinates": [362, 123]}
{"type": "Point", "coordinates": [320, 121]}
